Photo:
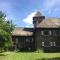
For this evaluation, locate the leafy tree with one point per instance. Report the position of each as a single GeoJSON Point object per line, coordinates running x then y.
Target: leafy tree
{"type": "Point", "coordinates": [6, 28]}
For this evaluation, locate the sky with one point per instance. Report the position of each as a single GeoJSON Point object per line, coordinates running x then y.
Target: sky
{"type": "Point", "coordinates": [22, 11]}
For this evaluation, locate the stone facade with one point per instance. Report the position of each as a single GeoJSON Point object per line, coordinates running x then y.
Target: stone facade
{"type": "Point", "coordinates": [49, 40]}
{"type": "Point", "coordinates": [44, 35]}
{"type": "Point", "coordinates": [47, 32]}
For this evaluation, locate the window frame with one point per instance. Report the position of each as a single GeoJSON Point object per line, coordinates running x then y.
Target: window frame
{"type": "Point", "coordinates": [49, 32]}
{"type": "Point", "coordinates": [56, 44]}
{"type": "Point", "coordinates": [52, 43]}
{"type": "Point", "coordinates": [43, 43]}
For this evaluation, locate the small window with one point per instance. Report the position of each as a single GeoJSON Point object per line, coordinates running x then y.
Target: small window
{"type": "Point", "coordinates": [52, 44]}
{"type": "Point", "coordinates": [41, 33]}
{"type": "Point", "coordinates": [42, 43]}
{"type": "Point", "coordinates": [32, 40]}
{"type": "Point", "coordinates": [45, 44]}
{"type": "Point", "coordinates": [58, 43]}
{"type": "Point", "coordinates": [27, 40]}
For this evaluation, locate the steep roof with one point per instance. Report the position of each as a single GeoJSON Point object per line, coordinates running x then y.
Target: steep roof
{"type": "Point", "coordinates": [49, 23]}
{"type": "Point", "coordinates": [22, 31]}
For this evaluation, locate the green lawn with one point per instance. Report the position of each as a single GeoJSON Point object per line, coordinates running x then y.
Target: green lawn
{"type": "Point", "coordinates": [29, 56]}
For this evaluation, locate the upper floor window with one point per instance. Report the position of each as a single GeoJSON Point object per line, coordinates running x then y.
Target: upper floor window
{"type": "Point", "coordinates": [46, 32]}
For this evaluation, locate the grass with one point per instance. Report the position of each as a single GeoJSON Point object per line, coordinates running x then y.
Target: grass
{"type": "Point", "coordinates": [29, 56]}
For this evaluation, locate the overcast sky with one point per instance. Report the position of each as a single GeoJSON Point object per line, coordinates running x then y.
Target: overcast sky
{"type": "Point", "coordinates": [22, 11]}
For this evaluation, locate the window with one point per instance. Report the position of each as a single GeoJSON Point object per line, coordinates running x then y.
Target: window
{"type": "Point", "coordinates": [46, 32]}
{"type": "Point", "coordinates": [42, 43]}
{"type": "Point", "coordinates": [58, 43]}
{"type": "Point", "coordinates": [41, 32]}
{"type": "Point", "coordinates": [48, 44]}
{"type": "Point", "coordinates": [27, 40]}
{"type": "Point", "coordinates": [16, 40]}
{"type": "Point", "coordinates": [57, 32]}
{"type": "Point", "coordinates": [45, 44]}
{"type": "Point", "coordinates": [52, 44]}
{"type": "Point", "coordinates": [32, 40]}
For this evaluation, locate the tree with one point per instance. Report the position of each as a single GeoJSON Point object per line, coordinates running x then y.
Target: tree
{"type": "Point", "coordinates": [6, 28]}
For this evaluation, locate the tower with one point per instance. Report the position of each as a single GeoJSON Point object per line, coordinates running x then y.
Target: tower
{"type": "Point", "coordinates": [37, 18]}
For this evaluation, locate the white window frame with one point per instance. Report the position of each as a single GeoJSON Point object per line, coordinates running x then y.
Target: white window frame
{"type": "Point", "coordinates": [42, 33]}
{"type": "Point", "coordinates": [52, 43]}
{"type": "Point", "coordinates": [42, 43]}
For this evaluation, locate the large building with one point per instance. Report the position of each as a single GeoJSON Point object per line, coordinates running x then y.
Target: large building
{"type": "Point", "coordinates": [45, 34]}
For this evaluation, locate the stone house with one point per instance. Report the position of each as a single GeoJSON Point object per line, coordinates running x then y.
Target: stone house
{"type": "Point", "coordinates": [45, 34]}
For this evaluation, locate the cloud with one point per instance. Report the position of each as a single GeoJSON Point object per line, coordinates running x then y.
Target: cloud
{"type": "Point", "coordinates": [48, 4]}
{"type": "Point", "coordinates": [51, 6]}
{"type": "Point", "coordinates": [56, 9]}
{"type": "Point", "coordinates": [29, 19]}
{"type": "Point", "coordinates": [29, 26]}
{"type": "Point", "coordinates": [5, 6]}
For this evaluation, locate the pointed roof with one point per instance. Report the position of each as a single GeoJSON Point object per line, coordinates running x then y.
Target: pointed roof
{"type": "Point", "coordinates": [38, 14]}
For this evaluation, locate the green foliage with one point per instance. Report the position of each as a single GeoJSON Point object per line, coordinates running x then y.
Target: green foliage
{"type": "Point", "coordinates": [6, 28]}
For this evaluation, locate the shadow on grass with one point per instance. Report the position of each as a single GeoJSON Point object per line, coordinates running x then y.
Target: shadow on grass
{"type": "Point", "coordinates": [51, 50]}
{"type": "Point", "coordinates": [58, 58]}
{"type": "Point", "coordinates": [2, 54]}
{"type": "Point", "coordinates": [24, 51]}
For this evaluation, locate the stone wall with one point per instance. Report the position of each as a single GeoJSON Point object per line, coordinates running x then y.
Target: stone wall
{"type": "Point", "coordinates": [40, 37]}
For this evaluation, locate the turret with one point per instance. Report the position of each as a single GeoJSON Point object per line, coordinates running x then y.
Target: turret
{"type": "Point", "coordinates": [37, 18]}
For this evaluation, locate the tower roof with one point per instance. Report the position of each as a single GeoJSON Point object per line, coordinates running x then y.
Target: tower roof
{"type": "Point", "coordinates": [38, 14]}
